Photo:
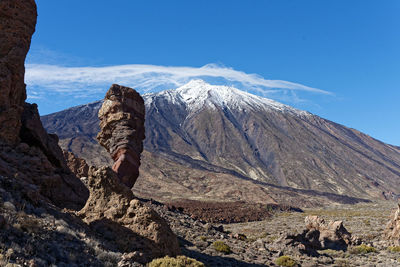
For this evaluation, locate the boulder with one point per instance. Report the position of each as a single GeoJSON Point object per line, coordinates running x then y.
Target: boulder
{"type": "Point", "coordinates": [318, 235]}
{"type": "Point", "coordinates": [17, 25]}
{"type": "Point", "coordinates": [122, 131]}
{"type": "Point", "coordinates": [132, 227]}
{"type": "Point", "coordinates": [332, 235]}
{"type": "Point", "coordinates": [392, 230]}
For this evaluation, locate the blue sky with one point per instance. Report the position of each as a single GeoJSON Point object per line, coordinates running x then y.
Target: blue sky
{"type": "Point", "coordinates": [342, 58]}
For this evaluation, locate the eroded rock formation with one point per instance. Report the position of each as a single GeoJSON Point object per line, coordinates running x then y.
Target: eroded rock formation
{"type": "Point", "coordinates": [330, 235]}
{"type": "Point", "coordinates": [111, 208]}
{"type": "Point", "coordinates": [392, 230]}
{"type": "Point", "coordinates": [318, 235]}
{"type": "Point", "coordinates": [17, 24]}
{"type": "Point", "coordinates": [136, 229]}
{"type": "Point", "coordinates": [27, 152]}
{"type": "Point", "coordinates": [78, 166]}
{"type": "Point", "coordinates": [122, 131]}
{"type": "Point", "coordinates": [35, 178]}
{"type": "Point", "coordinates": [33, 134]}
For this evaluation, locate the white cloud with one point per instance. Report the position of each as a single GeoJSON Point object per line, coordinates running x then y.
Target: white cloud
{"type": "Point", "coordinates": [43, 79]}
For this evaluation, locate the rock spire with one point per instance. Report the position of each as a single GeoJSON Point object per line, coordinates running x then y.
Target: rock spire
{"type": "Point", "coordinates": [122, 131]}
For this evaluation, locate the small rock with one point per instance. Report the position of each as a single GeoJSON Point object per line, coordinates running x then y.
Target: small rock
{"type": "Point", "coordinates": [9, 206]}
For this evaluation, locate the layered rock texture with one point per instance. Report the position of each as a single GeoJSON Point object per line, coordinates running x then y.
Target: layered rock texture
{"type": "Point", "coordinates": [122, 131]}
{"type": "Point", "coordinates": [17, 24]}
{"type": "Point", "coordinates": [111, 208]}
{"type": "Point", "coordinates": [136, 229]}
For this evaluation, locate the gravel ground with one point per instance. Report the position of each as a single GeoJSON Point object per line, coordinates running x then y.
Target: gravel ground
{"type": "Point", "coordinates": [365, 221]}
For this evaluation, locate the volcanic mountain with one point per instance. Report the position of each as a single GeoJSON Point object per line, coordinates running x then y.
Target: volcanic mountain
{"type": "Point", "coordinates": [216, 142]}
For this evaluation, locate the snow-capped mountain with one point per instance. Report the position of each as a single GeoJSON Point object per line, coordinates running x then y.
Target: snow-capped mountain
{"type": "Point", "coordinates": [197, 94]}
{"type": "Point", "coordinates": [217, 141]}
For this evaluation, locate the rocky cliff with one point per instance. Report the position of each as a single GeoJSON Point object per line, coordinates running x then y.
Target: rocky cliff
{"type": "Point", "coordinates": [28, 153]}
{"type": "Point", "coordinates": [17, 25]}
{"type": "Point", "coordinates": [39, 193]}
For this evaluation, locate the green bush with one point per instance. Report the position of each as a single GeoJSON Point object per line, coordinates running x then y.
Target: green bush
{"type": "Point", "coordinates": [362, 249]}
{"type": "Point", "coordinates": [179, 261]}
{"type": "Point", "coordinates": [221, 247]}
{"type": "Point", "coordinates": [394, 249]}
{"type": "Point", "coordinates": [285, 261]}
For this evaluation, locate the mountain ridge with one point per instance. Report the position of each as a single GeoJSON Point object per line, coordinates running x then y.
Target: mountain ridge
{"type": "Point", "coordinates": [274, 144]}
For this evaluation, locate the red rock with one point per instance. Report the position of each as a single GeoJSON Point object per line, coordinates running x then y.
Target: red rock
{"type": "Point", "coordinates": [122, 131]}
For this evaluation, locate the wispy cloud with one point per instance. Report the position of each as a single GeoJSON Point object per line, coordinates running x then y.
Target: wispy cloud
{"type": "Point", "coordinates": [43, 79]}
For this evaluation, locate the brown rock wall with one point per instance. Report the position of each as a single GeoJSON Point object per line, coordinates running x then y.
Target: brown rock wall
{"type": "Point", "coordinates": [17, 24]}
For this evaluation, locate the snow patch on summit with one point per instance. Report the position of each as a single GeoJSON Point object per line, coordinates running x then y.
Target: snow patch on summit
{"type": "Point", "coordinates": [197, 94]}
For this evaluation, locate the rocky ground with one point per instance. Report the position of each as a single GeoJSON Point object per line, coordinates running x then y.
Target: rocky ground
{"type": "Point", "coordinates": [250, 242]}
{"type": "Point", "coordinates": [47, 236]}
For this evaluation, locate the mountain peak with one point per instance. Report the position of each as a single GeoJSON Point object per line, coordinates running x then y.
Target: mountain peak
{"type": "Point", "coordinates": [197, 94]}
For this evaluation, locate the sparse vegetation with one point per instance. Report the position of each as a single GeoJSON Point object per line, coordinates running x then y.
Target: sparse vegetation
{"type": "Point", "coordinates": [221, 247]}
{"type": "Point", "coordinates": [285, 261]}
{"type": "Point", "coordinates": [203, 238]}
{"type": "Point", "coordinates": [179, 261]}
{"type": "Point", "coordinates": [362, 249]}
{"type": "Point", "coordinates": [394, 249]}
{"type": "Point", "coordinates": [332, 252]}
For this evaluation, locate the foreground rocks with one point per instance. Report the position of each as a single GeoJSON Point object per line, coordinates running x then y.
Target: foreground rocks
{"type": "Point", "coordinates": [28, 165]}
{"type": "Point", "coordinates": [122, 131]}
{"type": "Point", "coordinates": [27, 153]}
{"type": "Point", "coordinates": [112, 210]}
{"type": "Point", "coordinates": [38, 191]}
{"type": "Point", "coordinates": [17, 24]}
